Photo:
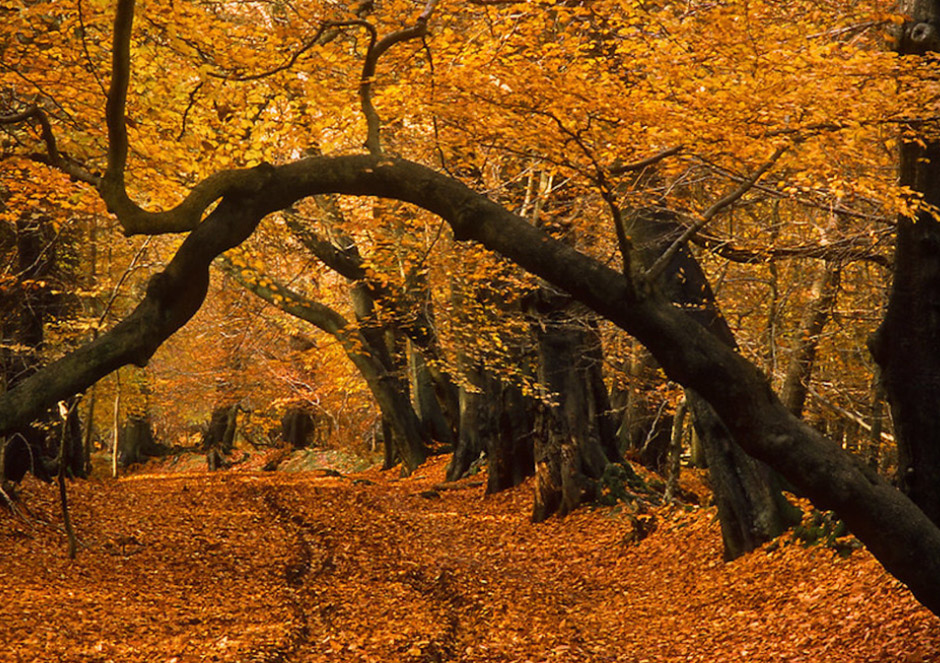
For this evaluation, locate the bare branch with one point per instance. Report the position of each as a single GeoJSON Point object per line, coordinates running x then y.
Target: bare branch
{"type": "Point", "coordinates": [844, 250]}
{"type": "Point", "coordinates": [656, 269]}
{"type": "Point", "coordinates": [319, 36]}
{"type": "Point", "coordinates": [55, 158]}
{"type": "Point", "coordinates": [644, 163]}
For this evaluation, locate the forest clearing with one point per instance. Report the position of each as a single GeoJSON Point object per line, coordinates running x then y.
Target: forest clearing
{"type": "Point", "coordinates": [249, 566]}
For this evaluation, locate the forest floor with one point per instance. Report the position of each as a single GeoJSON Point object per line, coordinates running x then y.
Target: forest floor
{"type": "Point", "coordinates": [247, 566]}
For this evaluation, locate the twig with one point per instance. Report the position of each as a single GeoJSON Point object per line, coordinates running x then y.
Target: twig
{"type": "Point", "coordinates": [91, 64]}
{"type": "Point", "coordinates": [189, 106]}
{"type": "Point", "coordinates": [310, 43]}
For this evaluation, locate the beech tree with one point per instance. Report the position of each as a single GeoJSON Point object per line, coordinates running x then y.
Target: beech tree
{"type": "Point", "coordinates": [221, 209]}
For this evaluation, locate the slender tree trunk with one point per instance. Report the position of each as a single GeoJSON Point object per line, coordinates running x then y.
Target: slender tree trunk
{"type": "Point", "coordinates": [697, 451]}
{"type": "Point", "coordinates": [116, 423]}
{"type": "Point", "coordinates": [674, 463]}
{"type": "Point", "coordinates": [89, 429]}
{"type": "Point", "coordinates": [63, 495]}
{"type": "Point", "coordinates": [873, 452]}
{"type": "Point", "coordinates": [823, 295]}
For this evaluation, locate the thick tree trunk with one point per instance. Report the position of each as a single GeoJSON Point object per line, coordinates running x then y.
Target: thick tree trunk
{"type": "Point", "coordinates": [574, 440]}
{"type": "Point", "coordinates": [496, 420]}
{"type": "Point", "coordinates": [29, 449]}
{"type": "Point", "coordinates": [427, 406]}
{"type": "Point", "coordinates": [473, 430]}
{"type": "Point", "coordinates": [220, 433]}
{"type": "Point", "coordinates": [895, 530]}
{"type": "Point", "coordinates": [297, 427]}
{"type": "Point", "coordinates": [136, 442]}
{"type": "Point", "coordinates": [510, 449]}
{"type": "Point", "coordinates": [907, 344]}
{"type": "Point", "coordinates": [751, 508]}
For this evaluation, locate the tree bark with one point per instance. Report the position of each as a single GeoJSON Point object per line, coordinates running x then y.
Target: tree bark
{"type": "Point", "coordinates": [296, 427]}
{"type": "Point", "coordinates": [895, 530]}
{"type": "Point", "coordinates": [574, 440]}
{"type": "Point", "coordinates": [823, 295]}
{"type": "Point", "coordinates": [751, 507]}
{"type": "Point", "coordinates": [220, 433]}
{"type": "Point", "coordinates": [426, 403]}
{"type": "Point", "coordinates": [496, 420]}
{"type": "Point", "coordinates": [905, 345]}
{"type": "Point", "coordinates": [136, 442]}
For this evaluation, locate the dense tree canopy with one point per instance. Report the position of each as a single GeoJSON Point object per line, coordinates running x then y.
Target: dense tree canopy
{"type": "Point", "coordinates": [327, 146]}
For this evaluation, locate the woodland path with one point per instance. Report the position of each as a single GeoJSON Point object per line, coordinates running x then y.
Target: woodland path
{"type": "Point", "coordinates": [243, 566]}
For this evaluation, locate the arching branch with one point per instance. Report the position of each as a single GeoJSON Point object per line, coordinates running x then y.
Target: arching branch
{"type": "Point", "coordinates": [843, 250]}
{"type": "Point", "coordinates": [133, 219]}
{"type": "Point", "coordinates": [896, 531]}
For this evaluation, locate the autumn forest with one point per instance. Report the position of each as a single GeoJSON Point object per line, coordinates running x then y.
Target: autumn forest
{"type": "Point", "coordinates": [469, 330]}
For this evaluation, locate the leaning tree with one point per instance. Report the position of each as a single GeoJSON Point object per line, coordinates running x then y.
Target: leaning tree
{"type": "Point", "coordinates": [221, 210]}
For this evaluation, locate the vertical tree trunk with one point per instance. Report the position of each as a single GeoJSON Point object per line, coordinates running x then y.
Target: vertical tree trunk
{"type": "Point", "coordinates": [674, 463]}
{"type": "Point", "coordinates": [23, 329]}
{"type": "Point", "coordinates": [823, 295]}
{"type": "Point", "coordinates": [906, 344]}
{"type": "Point", "coordinates": [136, 442]}
{"type": "Point", "coordinates": [296, 427]}
{"type": "Point", "coordinates": [427, 406]}
{"type": "Point", "coordinates": [570, 449]}
{"type": "Point", "coordinates": [116, 424]}
{"type": "Point", "coordinates": [496, 420]}
{"type": "Point", "coordinates": [89, 429]}
{"type": "Point", "coordinates": [220, 433]}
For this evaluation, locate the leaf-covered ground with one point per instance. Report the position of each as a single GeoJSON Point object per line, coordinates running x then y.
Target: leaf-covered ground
{"type": "Point", "coordinates": [243, 566]}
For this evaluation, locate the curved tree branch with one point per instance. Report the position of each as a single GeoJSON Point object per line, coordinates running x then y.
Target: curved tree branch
{"type": "Point", "coordinates": [395, 407]}
{"type": "Point", "coordinates": [376, 50]}
{"type": "Point", "coordinates": [53, 157]}
{"type": "Point", "coordinates": [320, 36]}
{"type": "Point", "coordinates": [133, 219]}
{"type": "Point", "coordinates": [844, 251]}
{"type": "Point", "coordinates": [896, 531]}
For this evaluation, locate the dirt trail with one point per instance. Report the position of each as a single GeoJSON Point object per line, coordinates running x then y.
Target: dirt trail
{"type": "Point", "coordinates": [293, 567]}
